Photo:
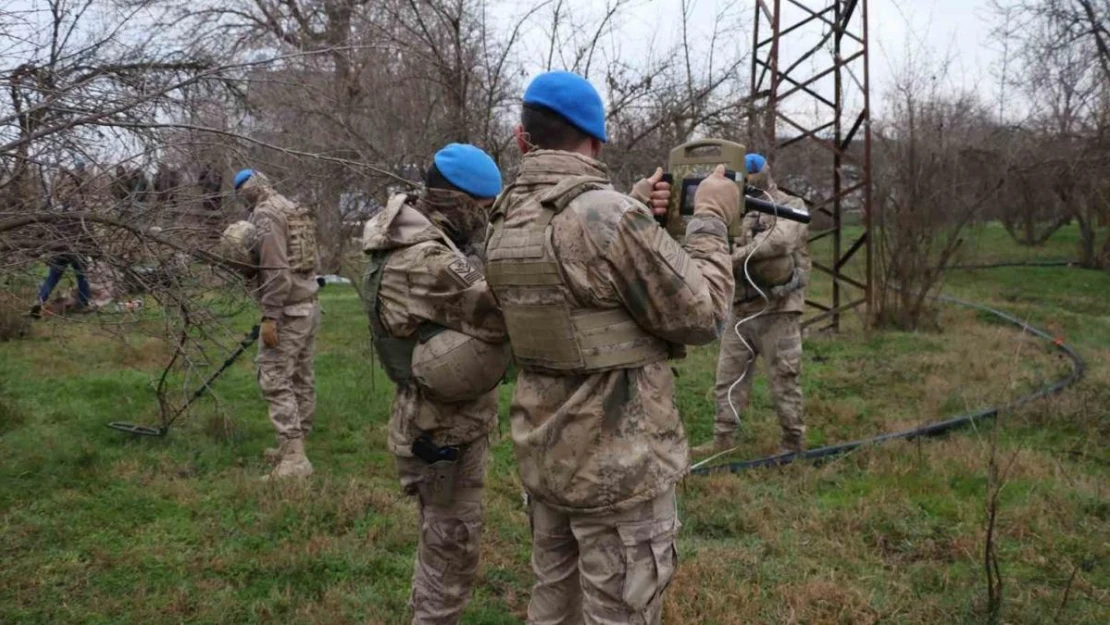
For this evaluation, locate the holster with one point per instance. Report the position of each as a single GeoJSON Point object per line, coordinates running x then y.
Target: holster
{"type": "Point", "coordinates": [438, 486]}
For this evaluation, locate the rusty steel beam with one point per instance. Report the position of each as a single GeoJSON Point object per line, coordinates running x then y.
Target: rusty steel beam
{"type": "Point", "coordinates": [793, 105]}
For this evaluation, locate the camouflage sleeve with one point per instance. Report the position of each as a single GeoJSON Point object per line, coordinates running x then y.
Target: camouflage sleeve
{"type": "Point", "coordinates": [449, 290]}
{"type": "Point", "coordinates": [274, 280]}
{"type": "Point", "coordinates": [680, 293]}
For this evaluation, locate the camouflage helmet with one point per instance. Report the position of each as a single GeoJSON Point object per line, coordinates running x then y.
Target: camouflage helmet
{"type": "Point", "coordinates": [770, 272]}
{"type": "Point", "coordinates": [239, 243]}
{"type": "Point", "coordinates": [453, 367]}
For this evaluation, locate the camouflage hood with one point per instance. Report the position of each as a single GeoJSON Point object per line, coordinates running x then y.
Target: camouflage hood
{"type": "Point", "coordinates": [255, 190]}
{"type": "Point", "coordinates": [400, 224]}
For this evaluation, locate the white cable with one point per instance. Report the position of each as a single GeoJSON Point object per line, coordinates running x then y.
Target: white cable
{"type": "Point", "coordinates": [736, 329]}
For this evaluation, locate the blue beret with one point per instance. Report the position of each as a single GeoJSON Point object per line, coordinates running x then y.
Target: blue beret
{"type": "Point", "coordinates": [754, 163]}
{"type": "Point", "coordinates": [242, 177]}
{"type": "Point", "coordinates": [470, 169]}
{"type": "Point", "coordinates": [571, 96]}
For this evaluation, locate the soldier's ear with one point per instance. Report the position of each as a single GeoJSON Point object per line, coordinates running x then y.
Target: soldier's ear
{"type": "Point", "coordinates": [595, 148]}
{"type": "Point", "coordinates": [522, 142]}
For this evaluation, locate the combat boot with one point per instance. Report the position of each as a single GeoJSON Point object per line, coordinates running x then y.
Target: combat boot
{"type": "Point", "coordinates": [293, 462]}
{"type": "Point", "coordinates": [273, 454]}
{"type": "Point", "coordinates": [722, 441]}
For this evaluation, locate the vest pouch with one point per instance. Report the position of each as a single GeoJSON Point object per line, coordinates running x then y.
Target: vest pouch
{"type": "Point", "coordinates": [396, 354]}
{"type": "Point", "coordinates": [396, 357]}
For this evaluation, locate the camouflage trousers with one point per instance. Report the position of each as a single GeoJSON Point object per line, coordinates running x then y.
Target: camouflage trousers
{"type": "Point", "coordinates": [450, 537]}
{"type": "Point", "coordinates": [285, 372]}
{"type": "Point", "coordinates": [777, 339]}
{"type": "Point", "coordinates": [603, 569]}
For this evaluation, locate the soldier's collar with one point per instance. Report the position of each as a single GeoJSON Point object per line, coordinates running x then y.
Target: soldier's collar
{"type": "Point", "coordinates": [560, 163]}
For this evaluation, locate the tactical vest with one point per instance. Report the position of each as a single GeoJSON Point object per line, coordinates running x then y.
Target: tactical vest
{"type": "Point", "coordinates": [301, 246]}
{"type": "Point", "coordinates": [547, 330]}
{"type": "Point", "coordinates": [395, 353]}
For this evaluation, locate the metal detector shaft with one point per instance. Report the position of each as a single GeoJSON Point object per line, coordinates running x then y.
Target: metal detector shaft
{"type": "Point", "coordinates": [143, 430]}
{"type": "Point", "coordinates": [243, 346]}
{"type": "Point", "coordinates": [778, 210]}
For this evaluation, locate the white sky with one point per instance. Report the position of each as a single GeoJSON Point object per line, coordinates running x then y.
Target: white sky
{"type": "Point", "coordinates": [956, 32]}
{"type": "Point", "coordinates": [925, 30]}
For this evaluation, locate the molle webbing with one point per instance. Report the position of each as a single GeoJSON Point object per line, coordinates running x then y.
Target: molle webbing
{"type": "Point", "coordinates": [545, 331]}
{"type": "Point", "coordinates": [524, 250]}
{"type": "Point", "coordinates": [300, 226]}
{"type": "Point", "coordinates": [302, 240]}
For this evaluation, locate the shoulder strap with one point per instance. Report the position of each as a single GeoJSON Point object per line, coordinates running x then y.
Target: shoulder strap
{"type": "Point", "coordinates": [566, 191]}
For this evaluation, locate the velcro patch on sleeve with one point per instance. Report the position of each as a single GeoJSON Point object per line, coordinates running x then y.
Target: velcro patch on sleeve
{"type": "Point", "coordinates": [464, 271]}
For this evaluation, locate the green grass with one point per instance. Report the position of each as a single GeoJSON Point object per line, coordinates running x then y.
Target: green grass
{"type": "Point", "coordinates": [100, 527]}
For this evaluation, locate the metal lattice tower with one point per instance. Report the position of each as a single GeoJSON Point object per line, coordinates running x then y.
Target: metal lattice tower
{"type": "Point", "coordinates": [810, 85]}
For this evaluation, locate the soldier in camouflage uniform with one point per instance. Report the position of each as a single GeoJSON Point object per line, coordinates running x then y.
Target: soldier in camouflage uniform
{"type": "Point", "coordinates": [424, 276]}
{"type": "Point", "coordinates": [780, 267]}
{"type": "Point", "coordinates": [286, 291]}
{"type": "Point", "coordinates": [596, 298]}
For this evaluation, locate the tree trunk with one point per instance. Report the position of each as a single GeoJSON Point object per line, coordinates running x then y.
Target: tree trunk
{"type": "Point", "coordinates": [329, 223]}
{"type": "Point", "coordinates": [1087, 256]}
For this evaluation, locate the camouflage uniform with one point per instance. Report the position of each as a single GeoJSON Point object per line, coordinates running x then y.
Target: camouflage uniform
{"type": "Point", "coordinates": [597, 437]}
{"type": "Point", "coordinates": [775, 335]}
{"type": "Point", "coordinates": [427, 281]}
{"type": "Point", "coordinates": [286, 290]}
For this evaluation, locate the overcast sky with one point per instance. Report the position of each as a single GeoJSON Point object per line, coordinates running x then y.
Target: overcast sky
{"type": "Point", "coordinates": [957, 31]}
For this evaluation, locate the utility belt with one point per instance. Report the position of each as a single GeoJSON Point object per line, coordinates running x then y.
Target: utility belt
{"type": "Point", "coordinates": [438, 486]}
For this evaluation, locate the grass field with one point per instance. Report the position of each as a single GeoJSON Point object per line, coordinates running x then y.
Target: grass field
{"type": "Point", "coordinates": [100, 527]}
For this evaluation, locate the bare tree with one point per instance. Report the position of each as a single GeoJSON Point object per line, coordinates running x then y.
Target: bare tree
{"type": "Point", "coordinates": [931, 179]}
{"type": "Point", "coordinates": [1064, 74]}
{"type": "Point", "coordinates": [692, 87]}
{"type": "Point", "coordinates": [389, 83]}
{"type": "Point", "coordinates": [87, 89]}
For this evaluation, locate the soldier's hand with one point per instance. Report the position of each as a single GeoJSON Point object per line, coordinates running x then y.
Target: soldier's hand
{"type": "Point", "coordinates": [269, 333]}
{"type": "Point", "coordinates": [718, 196]}
{"type": "Point", "coordinates": [654, 192]}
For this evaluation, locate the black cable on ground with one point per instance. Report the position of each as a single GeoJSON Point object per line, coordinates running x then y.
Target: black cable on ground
{"type": "Point", "coordinates": [1028, 263]}
{"type": "Point", "coordinates": [1078, 366]}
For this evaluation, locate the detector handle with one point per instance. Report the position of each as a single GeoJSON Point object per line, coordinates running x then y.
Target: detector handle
{"type": "Point", "coordinates": [778, 210]}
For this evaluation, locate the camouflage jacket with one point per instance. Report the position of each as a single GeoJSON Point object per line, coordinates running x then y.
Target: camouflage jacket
{"type": "Point", "coordinates": [279, 284]}
{"type": "Point", "coordinates": [426, 280]}
{"type": "Point", "coordinates": [596, 443]}
{"type": "Point", "coordinates": [786, 238]}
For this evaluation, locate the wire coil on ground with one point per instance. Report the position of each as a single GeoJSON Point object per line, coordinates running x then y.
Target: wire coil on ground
{"type": "Point", "coordinates": [1078, 367]}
